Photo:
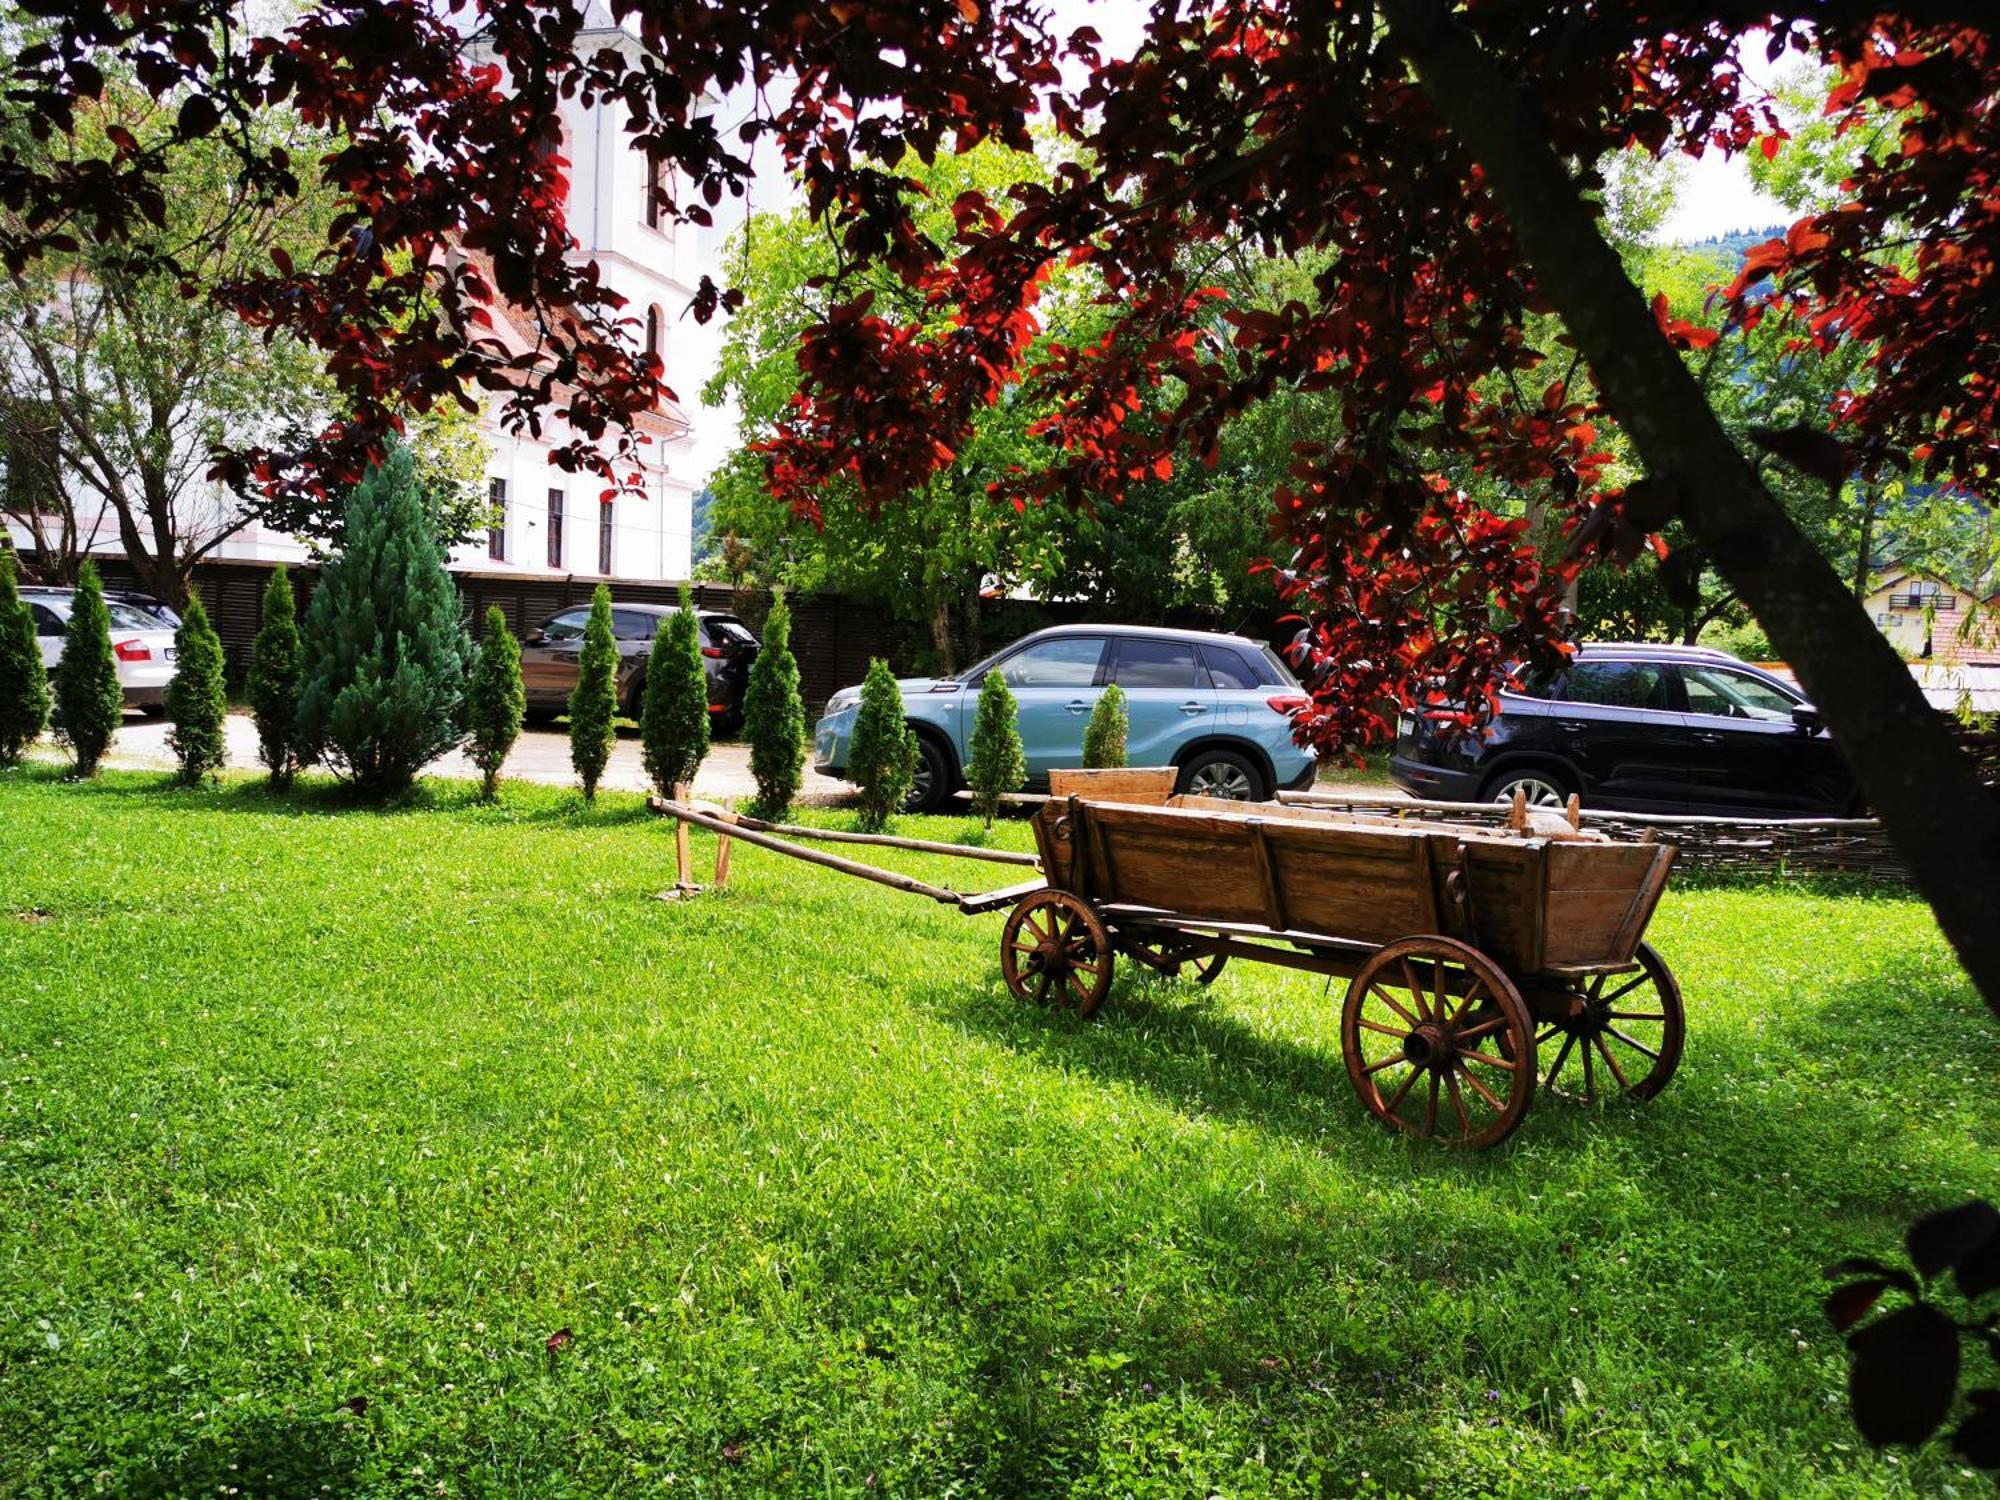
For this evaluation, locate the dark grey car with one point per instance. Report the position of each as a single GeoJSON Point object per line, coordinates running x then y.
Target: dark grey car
{"type": "Point", "coordinates": [549, 656]}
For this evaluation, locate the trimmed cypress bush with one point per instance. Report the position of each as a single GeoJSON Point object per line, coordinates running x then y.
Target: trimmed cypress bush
{"type": "Point", "coordinates": [673, 719]}
{"type": "Point", "coordinates": [275, 662]}
{"type": "Point", "coordinates": [496, 704]}
{"type": "Point", "coordinates": [593, 702]}
{"type": "Point", "coordinates": [89, 704]}
{"type": "Point", "coordinates": [196, 700]}
{"type": "Point", "coordinates": [1104, 735]}
{"type": "Point", "coordinates": [385, 657]}
{"type": "Point", "coordinates": [997, 765]}
{"type": "Point", "coordinates": [774, 718]}
{"type": "Point", "coordinates": [882, 760]}
{"type": "Point", "coordinates": [24, 681]}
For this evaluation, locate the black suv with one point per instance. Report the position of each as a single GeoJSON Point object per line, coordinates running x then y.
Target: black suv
{"type": "Point", "coordinates": [1660, 729]}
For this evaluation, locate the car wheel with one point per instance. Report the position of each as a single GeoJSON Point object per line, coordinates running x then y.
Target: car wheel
{"type": "Point", "coordinates": [930, 786]}
{"type": "Point", "coordinates": [1221, 773]}
{"type": "Point", "coordinates": [1541, 788]}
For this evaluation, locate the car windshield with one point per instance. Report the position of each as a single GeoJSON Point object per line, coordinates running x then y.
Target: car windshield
{"type": "Point", "coordinates": [125, 617]}
{"type": "Point", "coordinates": [725, 630]}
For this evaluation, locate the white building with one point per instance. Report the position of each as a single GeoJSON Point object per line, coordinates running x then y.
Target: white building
{"type": "Point", "coordinates": [554, 523]}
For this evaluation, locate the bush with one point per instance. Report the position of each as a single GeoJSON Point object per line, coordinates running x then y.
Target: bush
{"type": "Point", "coordinates": [89, 704]}
{"type": "Point", "coordinates": [385, 655]}
{"type": "Point", "coordinates": [196, 700]}
{"type": "Point", "coordinates": [673, 719]}
{"type": "Point", "coordinates": [997, 764]}
{"type": "Point", "coordinates": [593, 702]}
{"type": "Point", "coordinates": [1104, 735]}
{"type": "Point", "coordinates": [882, 760]}
{"type": "Point", "coordinates": [774, 718]}
{"type": "Point", "coordinates": [24, 681]}
{"type": "Point", "coordinates": [495, 704]}
{"type": "Point", "coordinates": [274, 681]}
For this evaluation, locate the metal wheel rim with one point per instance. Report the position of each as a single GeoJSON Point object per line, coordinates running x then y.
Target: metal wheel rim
{"type": "Point", "coordinates": [920, 782]}
{"type": "Point", "coordinates": [1219, 778]}
{"type": "Point", "coordinates": [1540, 793]}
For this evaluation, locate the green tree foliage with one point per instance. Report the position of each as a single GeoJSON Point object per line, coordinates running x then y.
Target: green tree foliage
{"type": "Point", "coordinates": [774, 718]}
{"type": "Point", "coordinates": [673, 719]}
{"type": "Point", "coordinates": [1104, 735]}
{"type": "Point", "coordinates": [89, 703]}
{"type": "Point", "coordinates": [495, 704]}
{"type": "Point", "coordinates": [385, 654]}
{"type": "Point", "coordinates": [276, 661]}
{"type": "Point", "coordinates": [24, 682]}
{"type": "Point", "coordinates": [89, 699]}
{"type": "Point", "coordinates": [120, 348]}
{"type": "Point", "coordinates": [593, 702]}
{"type": "Point", "coordinates": [196, 700]}
{"type": "Point", "coordinates": [882, 758]}
{"type": "Point", "coordinates": [997, 765]}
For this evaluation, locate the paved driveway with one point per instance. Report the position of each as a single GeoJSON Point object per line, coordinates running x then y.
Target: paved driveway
{"type": "Point", "coordinates": [540, 755]}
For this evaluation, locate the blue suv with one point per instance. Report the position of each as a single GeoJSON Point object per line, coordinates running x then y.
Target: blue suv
{"type": "Point", "coordinates": [1215, 706]}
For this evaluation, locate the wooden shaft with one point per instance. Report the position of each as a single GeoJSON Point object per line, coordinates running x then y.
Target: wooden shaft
{"type": "Point", "coordinates": [887, 841]}
{"type": "Point", "coordinates": [685, 815]}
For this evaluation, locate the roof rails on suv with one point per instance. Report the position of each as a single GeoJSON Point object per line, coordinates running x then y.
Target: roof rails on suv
{"type": "Point", "coordinates": [1655, 648]}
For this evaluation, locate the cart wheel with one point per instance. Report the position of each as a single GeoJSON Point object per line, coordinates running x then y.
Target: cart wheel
{"type": "Point", "coordinates": [1054, 951]}
{"type": "Point", "coordinates": [1438, 1042]}
{"type": "Point", "coordinates": [1172, 960]}
{"type": "Point", "coordinates": [1622, 1038]}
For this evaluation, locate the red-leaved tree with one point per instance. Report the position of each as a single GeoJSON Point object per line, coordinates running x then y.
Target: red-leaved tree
{"type": "Point", "coordinates": [1437, 155]}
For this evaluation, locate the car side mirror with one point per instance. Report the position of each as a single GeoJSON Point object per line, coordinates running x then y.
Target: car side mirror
{"type": "Point", "coordinates": [536, 638]}
{"type": "Point", "coordinates": [1805, 718]}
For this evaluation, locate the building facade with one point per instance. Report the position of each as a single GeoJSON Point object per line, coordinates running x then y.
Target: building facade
{"type": "Point", "coordinates": [1931, 620]}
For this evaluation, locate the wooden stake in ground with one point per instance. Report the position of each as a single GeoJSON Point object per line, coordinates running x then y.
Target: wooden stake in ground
{"type": "Point", "coordinates": [685, 884]}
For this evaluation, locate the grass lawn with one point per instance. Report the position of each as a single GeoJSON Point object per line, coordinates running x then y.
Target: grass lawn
{"type": "Point", "coordinates": [425, 1153]}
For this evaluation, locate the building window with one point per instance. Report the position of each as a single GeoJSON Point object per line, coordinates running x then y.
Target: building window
{"type": "Point", "coordinates": [656, 175]}
{"type": "Point", "coordinates": [555, 528]}
{"type": "Point", "coordinates": [653, 332]}
{"type": "Point", "coordinates": [496, 531]}
{"type": "Point", "coordinates": [604, 538]}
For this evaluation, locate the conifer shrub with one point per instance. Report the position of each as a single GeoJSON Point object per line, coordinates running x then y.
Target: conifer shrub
{"type": "Point", "coordinates": [24, 681]}
{"type": "Point", "coordinates": [495, 704]}
{"type": "Point", "coordinates": [276, 659]}
{"type": "Point", "coordinates": [385, 655]}
{"type": "Point", "coordinates": [774, 717]}
{"type": "Point", "coordinates": [196, 700]}
{"type": "Point", "coordinates": [673, 719]}
{"type": "Point", "coordinates": [997, 764]}
{"type": "Point", "coordinates": [89, 703]}
{"type": "Point", "coordinates": [882, 759]}
{"type": "Point", "coordinates": [593, 702]}
{"type": "Point", "coordinates": [1104, 735]}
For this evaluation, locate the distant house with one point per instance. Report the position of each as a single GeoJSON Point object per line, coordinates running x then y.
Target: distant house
{"type": "Point", "coordinates": [1933, 620]}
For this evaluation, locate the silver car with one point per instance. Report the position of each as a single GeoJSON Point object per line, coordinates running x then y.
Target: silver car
{"type": "Point", "coordinates": [142, 645]}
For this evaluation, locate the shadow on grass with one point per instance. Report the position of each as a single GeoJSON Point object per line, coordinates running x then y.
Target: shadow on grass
{"type": "Point", "coordinates": [262, 1457]}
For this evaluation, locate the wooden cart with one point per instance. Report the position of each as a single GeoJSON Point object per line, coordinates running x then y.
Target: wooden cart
{"type": "Point", "coordinates": [1470, 952]}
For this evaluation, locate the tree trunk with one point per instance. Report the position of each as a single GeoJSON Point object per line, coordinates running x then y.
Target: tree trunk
{"type": "Point", "coordinates": [1867, 542]}
{"type": "Point", "coordinates": [974, 642]}
{"type": "Point", "coordinates": [1943, 821]}
{"type": "Point", "coordinates": [941, 636]}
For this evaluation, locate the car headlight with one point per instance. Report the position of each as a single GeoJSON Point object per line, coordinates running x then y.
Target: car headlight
{"type": "Point", "coordinates": [844, 699]}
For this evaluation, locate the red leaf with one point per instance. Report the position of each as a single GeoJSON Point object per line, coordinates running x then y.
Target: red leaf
{"type": "Point", "coordinates": [561, 1339]}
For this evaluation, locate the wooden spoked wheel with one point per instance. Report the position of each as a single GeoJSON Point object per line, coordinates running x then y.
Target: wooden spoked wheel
{"type": "Point", "coordinates": [1438, 1043]}
{"type": "Point", "coordinates": [1622, 1036]}
{"type": "Point", "coordinates": [1054, 951]}
{"type": "Point", "coordinates": [1174, 958]}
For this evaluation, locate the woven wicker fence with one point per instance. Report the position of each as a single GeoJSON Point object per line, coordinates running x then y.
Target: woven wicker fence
{"type": "Point", "coordinates": [1758, 846]}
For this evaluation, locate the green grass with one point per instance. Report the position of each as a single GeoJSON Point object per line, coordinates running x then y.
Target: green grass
{"type": "Point", "coordinates": [316, 1125]}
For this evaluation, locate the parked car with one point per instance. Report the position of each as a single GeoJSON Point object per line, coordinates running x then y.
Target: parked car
{"type": "Point", "coordinates": [549, 660]}
{"type": "Point", "coordinates": [1216, 706]}
{"type": "Point", "coordinates": [1639, 728]}
{"type": "Point", "coordinates": [142, 645]}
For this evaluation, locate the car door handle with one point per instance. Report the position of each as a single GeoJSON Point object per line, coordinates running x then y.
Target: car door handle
{"type": "Point", "coordinates": [1574, 726]}
{"type": "Point", "coordinates": [1708, 737]}
{"type": "Point", "coordinates": [1077, 706]}
{"type": "Point", "coordinates": [1192, 707]}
